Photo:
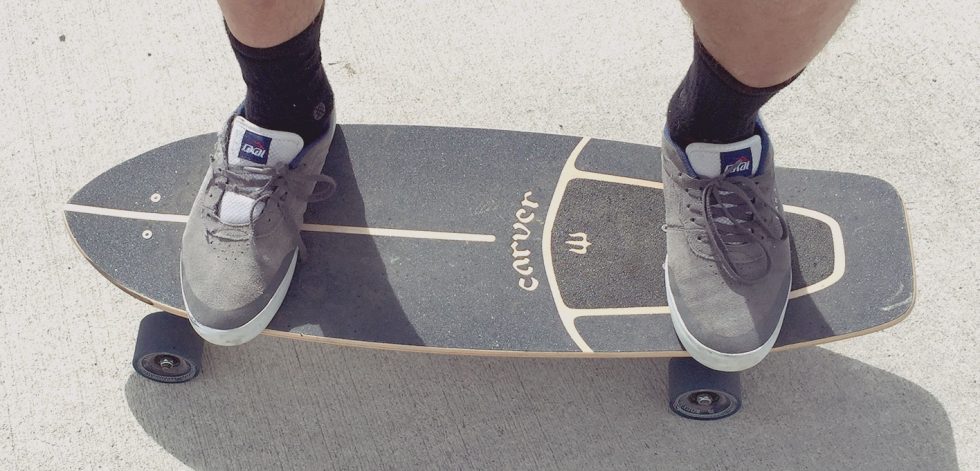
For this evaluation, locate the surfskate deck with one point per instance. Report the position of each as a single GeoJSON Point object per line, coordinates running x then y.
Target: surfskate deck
{"type": "Point", "coordinates": [474, 241]}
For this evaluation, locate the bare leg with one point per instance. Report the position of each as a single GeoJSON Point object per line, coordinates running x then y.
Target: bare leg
{"type": "Point", "coordinates": [765, 42]}
{"type": "Point", "coordinates": [745, 51]}
{"type": "Point", "coordinates": [266, 23]}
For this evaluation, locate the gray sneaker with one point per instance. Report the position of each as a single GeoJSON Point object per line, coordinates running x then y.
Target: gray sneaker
{"type": "Point", "coordinates": [728, 257]}
{"type": "Point", "coordinates": [242, 238]}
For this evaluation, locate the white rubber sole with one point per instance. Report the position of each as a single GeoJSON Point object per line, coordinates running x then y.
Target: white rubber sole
{"type": "Point", "coordinates": [252, 328]}
{"type": "Point", "coordinates": [714, 359]}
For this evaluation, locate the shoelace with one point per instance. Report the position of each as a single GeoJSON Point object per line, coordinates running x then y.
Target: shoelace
{"type": "Point", "coordinates": [737, 199]}
{"type": "Point", "coordinates": [262, 184]}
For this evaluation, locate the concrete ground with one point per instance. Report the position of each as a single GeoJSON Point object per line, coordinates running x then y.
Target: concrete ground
{"type": "Point", "coordinates": [86, 85]}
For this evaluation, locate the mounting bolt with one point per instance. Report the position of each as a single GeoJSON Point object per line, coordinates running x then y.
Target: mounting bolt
{"type": "Point", "coordinates": [167, 362]}
{"type": "Point", "coordinates": [704, 399]}
{"type": "Point", "coordinates": [155, 197]}
{"type": "Point", "coordinates": [147, 234]}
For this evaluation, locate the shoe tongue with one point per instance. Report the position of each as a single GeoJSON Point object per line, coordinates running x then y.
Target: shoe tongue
{"type": "Point", "coordinates": [250, 144]}
{"type": "Point", "coordinates": [712, 160]}
{"type": "Point", "coordinates": [253, 145]}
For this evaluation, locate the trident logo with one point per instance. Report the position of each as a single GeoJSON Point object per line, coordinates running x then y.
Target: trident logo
{"type": "Point", "coordinates": [582, 244]}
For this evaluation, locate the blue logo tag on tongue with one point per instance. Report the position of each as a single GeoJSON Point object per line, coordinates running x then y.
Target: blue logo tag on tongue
{"type": "Point", "coordinates": [737, 162]}
{"type": "Point", "coordinates": [255, 148]}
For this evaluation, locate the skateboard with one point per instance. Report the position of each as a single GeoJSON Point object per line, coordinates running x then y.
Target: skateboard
{"type": "Point", "coordinates": [500, 243]}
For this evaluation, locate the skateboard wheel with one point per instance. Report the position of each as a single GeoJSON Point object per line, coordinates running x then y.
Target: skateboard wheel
{"type": "Point", "coordinates": [167, 349]}
{"type": "Point", "coordinates": [698, 392]}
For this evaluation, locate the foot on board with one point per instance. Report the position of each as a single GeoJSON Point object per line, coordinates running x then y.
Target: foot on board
{"type": "Point", "coordinates": [728, 256]}
{"type": "Point", "coordinates": [242, 239]}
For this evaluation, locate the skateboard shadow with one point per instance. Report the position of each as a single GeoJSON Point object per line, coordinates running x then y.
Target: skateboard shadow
{"type": "Point", "coordinates": [279, 404]}
{"type": "Point", "coordinates": [341, 289]}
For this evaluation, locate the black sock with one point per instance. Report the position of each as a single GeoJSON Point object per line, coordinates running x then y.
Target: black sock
{"type": "Point", "coordinates": [712, 106]}
{"type": "Point", "coordinates": [287, 86]}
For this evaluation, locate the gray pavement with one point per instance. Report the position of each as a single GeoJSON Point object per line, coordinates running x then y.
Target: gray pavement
{"type": "Point", "coordinates": [86, 85]}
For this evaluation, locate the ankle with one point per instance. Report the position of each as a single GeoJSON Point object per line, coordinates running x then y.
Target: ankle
{"type": "Point", "coordinates": [711, 106]}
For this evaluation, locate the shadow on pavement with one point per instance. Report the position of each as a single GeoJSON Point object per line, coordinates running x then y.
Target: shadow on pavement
{"type": "Point", "coordinates": [275, 403]}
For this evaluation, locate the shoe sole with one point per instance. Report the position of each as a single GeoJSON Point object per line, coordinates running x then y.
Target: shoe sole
{"type": "Point", "coordinates": [252, 328]}
{"type": "Point", "coordinates": [714, 359]}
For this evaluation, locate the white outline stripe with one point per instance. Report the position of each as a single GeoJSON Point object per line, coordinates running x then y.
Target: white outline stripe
{"type": "Point", "coordinates": [382, 232]}
{"type": "Point", "coordinates": [568, 315]}
{"type": "Point", "coordinates": [122, 213]}
{"type": "Point", "coordinates": [352, 230]}
{"type": "Point", "coordinates": [836, 235]}
{"type": "Point", "coordinates": [839, 262]}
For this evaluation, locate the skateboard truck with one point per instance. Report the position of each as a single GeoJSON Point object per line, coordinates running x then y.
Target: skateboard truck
{"type": "Point", "coordinates": [167, 349]}
{"type": "Point", "coordinates": [695, 391]}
